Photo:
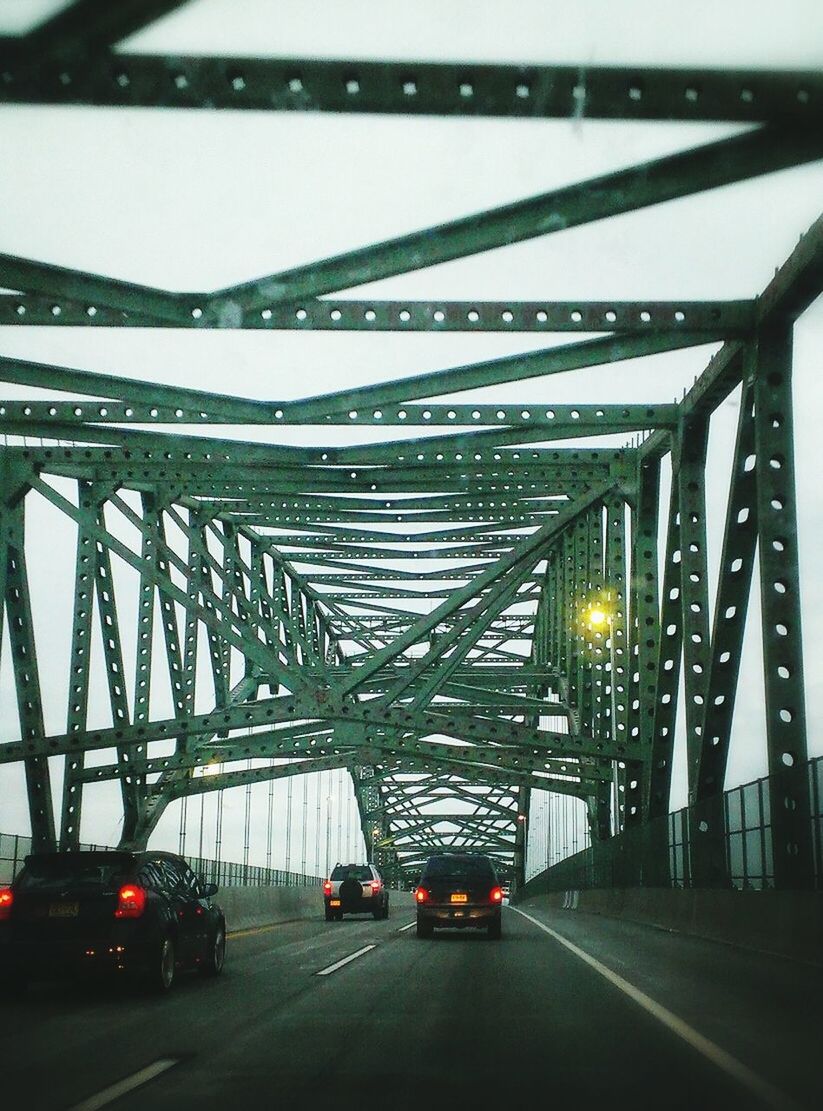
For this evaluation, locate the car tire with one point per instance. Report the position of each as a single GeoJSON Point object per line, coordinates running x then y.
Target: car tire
{"type": "Point", "coordinates": [216, 956]}
{"type": "Point", "coordinates": [495, 930]}
{"type": "Point", "coordinates": [162, 974]}
{"type": "Point", "coordinates": [330, 915]}
{"type": "Point", "coordinates": [424, 929]}
{"type": "Point", "coordinates": [386, 909]}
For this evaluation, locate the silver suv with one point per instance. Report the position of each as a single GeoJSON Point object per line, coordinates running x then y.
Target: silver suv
{"type": "Point", "coordinates": [355, 889]}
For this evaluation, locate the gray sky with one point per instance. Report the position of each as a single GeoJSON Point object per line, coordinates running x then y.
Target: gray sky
{"type": "Point", "coordinates": [198, 200]}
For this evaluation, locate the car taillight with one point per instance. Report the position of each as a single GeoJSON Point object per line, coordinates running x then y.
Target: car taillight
{"type": "Point", "coordinates": [131, 901]}
{"type": "Point", "coordinates": [375, 886]}
{"type": "Point", "coordinates": [6, 901]}
{"type": "Point", "coordinates": [496, 895]}
{"type": "Point", "coordinates": [421, 895]}
{"type": "Point", "coordinates": [327, 887]}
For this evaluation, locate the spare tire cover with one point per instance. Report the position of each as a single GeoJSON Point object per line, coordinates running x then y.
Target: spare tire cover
{"type": "Point", "coordinates": [350, 890]}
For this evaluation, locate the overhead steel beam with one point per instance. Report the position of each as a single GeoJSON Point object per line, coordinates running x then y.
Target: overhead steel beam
{"type": "Point", "coordinates": [684, 94]}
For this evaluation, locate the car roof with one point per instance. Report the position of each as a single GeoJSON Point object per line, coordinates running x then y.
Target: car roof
{"type": "Point", "coordinates": [111, 856]}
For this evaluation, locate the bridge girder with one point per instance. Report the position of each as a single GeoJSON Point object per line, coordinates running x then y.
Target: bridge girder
{"type": "Point", "coordinates": [284, 586]}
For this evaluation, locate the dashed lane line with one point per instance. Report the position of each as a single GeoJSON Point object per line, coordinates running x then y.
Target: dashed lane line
{"type": "Point", "coordinates": [128, 1084]}
{"type": "Point", "coordinates": [339, 964]}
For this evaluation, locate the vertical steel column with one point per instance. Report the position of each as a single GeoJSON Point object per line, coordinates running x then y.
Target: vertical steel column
{"type": "Point", "coordinates": [668, 668]}
{"type": "Point", "coordinates": [131, 795]}
{"type": "Point", "coordinates": [568, 674]}
{"type": "Point", "coordinates": [26, 673]}
{"type": "Point", "coordinates": [644, 648]}
{"type": "Point", "coordinates": [691, 486]}
{"type": "Point", "coordinates": [709, 857]}
{"type": "Point", "coordinates": [615, 575]}
{"type": "Point", "coordinates": [589, 568]}
{"type": "Point", "coordinates": [780, 606]}
{"type": "Point", "coordinates": [596, 720]}
{"type": "Point", "coordinates": [80, 671]}
{"type": "Point", "coordinates": [736, 567]}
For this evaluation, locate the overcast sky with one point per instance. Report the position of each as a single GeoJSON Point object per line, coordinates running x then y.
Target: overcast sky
{"type": "Point", "coordinates": [200, 200]}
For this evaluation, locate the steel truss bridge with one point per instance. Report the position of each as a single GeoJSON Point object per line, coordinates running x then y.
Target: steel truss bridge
{"type": "Point", "coordinates": [485, 602]}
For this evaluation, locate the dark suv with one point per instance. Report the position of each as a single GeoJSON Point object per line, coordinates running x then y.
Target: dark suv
{"type": "Point", "coordinates": [355, 889]}
{"type": "Point", "coordinates": [459, 891]}
{"type": "Point", "coordinates": [145, 914]}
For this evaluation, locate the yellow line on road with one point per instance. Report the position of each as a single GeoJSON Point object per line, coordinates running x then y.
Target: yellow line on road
{"type": "Point", "coordinates": [255, 930]}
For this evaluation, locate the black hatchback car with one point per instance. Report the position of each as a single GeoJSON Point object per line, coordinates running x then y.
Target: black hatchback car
{"type": "Point", "coordinates": [459, 891]}
{"type": "Point", "coordinates": [141, 914]}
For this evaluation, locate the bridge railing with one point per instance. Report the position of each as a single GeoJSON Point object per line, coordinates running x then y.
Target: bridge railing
{"type": "Point", "coordinates": [225, 873]}
{"type": "Point", "coordinates": [724, 842]}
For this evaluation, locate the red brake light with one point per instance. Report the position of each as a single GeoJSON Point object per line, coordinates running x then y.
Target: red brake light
{"type": "Point", "coordinates": [6, 900]}
{"type": "Point", "coordinates": [421, 895]}
{"type": "Point", "coordinates": [327, 887]}
{"type": "Point", "coordinates": [496, 895]}
{"type": "Point", "coordinates": [375, 886]}
{"type": "Point", "coordinates": [131, 901]}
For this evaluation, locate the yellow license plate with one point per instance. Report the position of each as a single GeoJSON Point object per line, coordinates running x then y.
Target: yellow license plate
{"type": "Point", "coordinates": [459, 898]}
{"type": "Point", "coordinates": [64, 910]}
{"type": "Point", "coordinates": [334, 902]}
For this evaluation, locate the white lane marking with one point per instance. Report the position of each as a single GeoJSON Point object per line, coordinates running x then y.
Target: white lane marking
{"type": "Point", "coordinates": [408, 926]}
{"type": "Point", "coordinates": [339, 964]}
{"type": "Point", "coordinates": [761, 1088]}
{"type": "Point", "coordinates": [110, 1094]}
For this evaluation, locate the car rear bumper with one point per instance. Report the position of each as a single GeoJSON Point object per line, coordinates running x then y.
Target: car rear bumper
{"type": "Point", "coordinates": [352, 906]}
{"type": "Point", "coordinates": [75, 957]}
{"type": "Point", "coordinates": [459, 917]}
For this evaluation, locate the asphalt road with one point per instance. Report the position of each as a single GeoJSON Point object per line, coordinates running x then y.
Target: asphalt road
{"type": "Point", "coordinates": [567, 1010]}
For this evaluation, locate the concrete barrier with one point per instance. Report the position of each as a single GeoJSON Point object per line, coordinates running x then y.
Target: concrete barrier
{"type": "Point", "coordinates": [785, 923]}
{"type": "Point", "coordinates": [248, 907]}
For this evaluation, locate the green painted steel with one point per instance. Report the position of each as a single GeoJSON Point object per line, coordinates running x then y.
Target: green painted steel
{"type": "Point", "coordinates": [469, 609]}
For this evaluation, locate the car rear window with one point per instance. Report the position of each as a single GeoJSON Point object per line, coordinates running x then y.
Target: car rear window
{"type": "Point", "coordinates": [470, 867]}
{"type": "Point", "coordinates": [355, 871]}
{"type": "Point", "coordinates": [71, 870]}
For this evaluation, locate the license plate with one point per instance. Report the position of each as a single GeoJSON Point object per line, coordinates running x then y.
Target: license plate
{"type": "Point", "coordinates": [459, 898]}
{"type": "Point", "coordinates": [64, 910]}
{"type": "Point", "coordinates": [334, 902]}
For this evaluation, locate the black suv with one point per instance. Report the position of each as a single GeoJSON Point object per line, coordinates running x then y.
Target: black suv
{"type": "Point", "coordinates": [145, 914]}
{"type": "Point", "coordinates": [459, 891]}
{"type": "Point", "coordinates": [355, 889]}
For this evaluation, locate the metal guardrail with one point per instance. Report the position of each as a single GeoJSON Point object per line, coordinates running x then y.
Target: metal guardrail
{"type": "Point", "coordinates": [14, 848]}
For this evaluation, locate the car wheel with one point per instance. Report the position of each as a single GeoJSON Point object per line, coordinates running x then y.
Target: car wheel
{"type": "Point", "coordinates": [330, 915]}
{"type": "Point", "coordinates": [424, 929]}
{"type": "Point", "coordinates": [162, 976]}
{"type": "Point", "coordinates": [216, 956]}
{"type": "Point", "coordinates": [495, 930]}
{"type": "Point", "coordinates": [386, 909]}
